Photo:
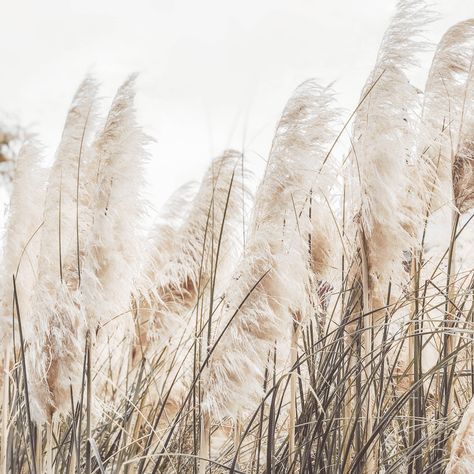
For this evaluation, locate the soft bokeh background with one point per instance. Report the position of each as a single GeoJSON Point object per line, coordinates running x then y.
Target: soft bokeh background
{"type": "Point", "coordinates": [213, 73]}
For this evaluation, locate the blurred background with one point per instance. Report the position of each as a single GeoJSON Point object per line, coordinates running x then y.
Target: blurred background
{"type": "Point", "coordinates": [213, 73]}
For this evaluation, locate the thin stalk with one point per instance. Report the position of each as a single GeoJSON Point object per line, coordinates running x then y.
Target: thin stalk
{"type": "Point", "coordinates": [415, 356]}
{"type": "Point", "coordinates": [49, 448]}
{"type": "Point", "coordinates": [237, 435]}
{"type": "Point", "coordinates": [39, 447]}
{"type": "Point", "coordinates": [25, 377]}
{"type": "Point", "coordinates": [292, 412]}
{"type": "Point", "coordinates": [5, 410]}
{"type": "Point", "coordinates": [89, 407]}
{"type": "Point", "coordinates": [204, 445]}
{"type": "Point", "coordinates": [368, 327]}
{"type": "Point", "coordinates": [449, 339]}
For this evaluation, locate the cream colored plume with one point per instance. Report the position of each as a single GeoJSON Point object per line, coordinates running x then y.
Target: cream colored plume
{"type": "Point", "coordinates": [448, 116]}
{"type": "Point", "coordinates": [385, 176]}
{"type": "Point", "coordinates": [56, 336]}
{"type": "Point", "coordinates": [463, 167]}
{"type": "Point", "coordinates": [446, 145]}
{"type": "Point", "coordinates": [189, 258]}
{"type": "Point", "coordinates": [115, 240]}
{"type": "Point", "coordinates": [271, 284]}
{"type": "Point", "coordinates": [185, 256]}
{"type": "Point", "coordinates": [22, 236]}
{"type": "Point", "coordinates": [90, 252]}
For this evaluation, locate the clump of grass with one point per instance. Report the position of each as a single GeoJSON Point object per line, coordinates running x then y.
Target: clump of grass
{"type": "Point", "coordinates": [337, 339]}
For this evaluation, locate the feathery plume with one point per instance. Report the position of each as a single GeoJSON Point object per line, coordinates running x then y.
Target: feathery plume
{"type": "Point", "coordinates": [463, 167]}
{"type": "Point", "coordinates": [271, 282]}
{"type": "Point", "coordinates": [447, 118]}
{"type": "Point", "coordinates": [22, 235]}
{"type": "Point", "coordinates": [385, 182]}
{"type": "Point", "coordinates": [204, 243]}
{"type": "Point", "coordinates": [114, 241]}
{"type": "Point", "coordinates": [57, 336]}
{"type": "Point", "coordinates": [188, 259]}
{"type": "Point", "coordinates": [446, 109]}
{"type": "Point", "coordinates": [114, 244]}
{"type": "Point", "coordinates": [386, 185]}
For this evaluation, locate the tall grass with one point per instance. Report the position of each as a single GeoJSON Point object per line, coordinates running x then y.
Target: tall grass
{"type": "Point", "coordinates": [333, 334]}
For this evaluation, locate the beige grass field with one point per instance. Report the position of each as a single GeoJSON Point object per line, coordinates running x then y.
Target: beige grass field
{"type": "Point", "coordinates": [322, 323]}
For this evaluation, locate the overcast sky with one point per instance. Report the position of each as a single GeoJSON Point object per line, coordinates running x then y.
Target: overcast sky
{"type": "Point", "coordinates": [213, 73]}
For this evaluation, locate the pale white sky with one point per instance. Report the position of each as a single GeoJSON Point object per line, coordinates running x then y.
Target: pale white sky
{"type": "Point", "coordinates": [209, 69]}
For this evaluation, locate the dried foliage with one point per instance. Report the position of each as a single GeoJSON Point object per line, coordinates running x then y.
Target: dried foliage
{"type": "Point", "coordinates": [332, 333]}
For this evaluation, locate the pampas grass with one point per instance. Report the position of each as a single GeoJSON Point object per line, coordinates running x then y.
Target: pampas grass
{"type": "Point", "coordinates": [183, 259]}
{"type": "Point", "coordinates": [330, 331]}
{"type": "Point", "coordinates": [58, 324]}
{"type": "Point", "coordinates": [89, 206]}
{"type": "Point", "coordinates": [20, 257]}
{"type": "Point", "coordinates": [386, 183]}
{"type": "Point", "coordinates": [383, 142]}
{"type": "Point", "coordinates": [21, 237]}
{"type": "Point", "coordinates": [112, 250]}
{"type": "Point", "coordinates": [269, 290]}
{"type": "Point", "coordinates": [188, 258]}
{"type": "Point", "coordinates": [447, 106]}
